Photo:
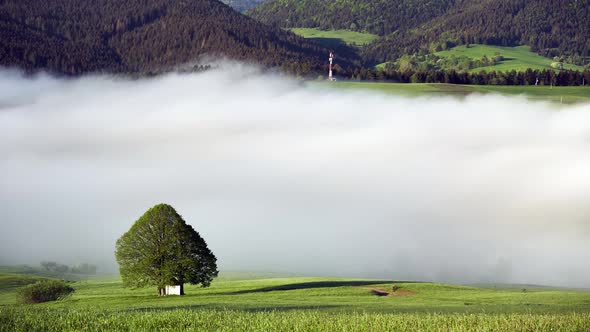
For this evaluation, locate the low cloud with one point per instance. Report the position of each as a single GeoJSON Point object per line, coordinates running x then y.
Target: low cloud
{"type": "Point", "coordinates": [282, 176]}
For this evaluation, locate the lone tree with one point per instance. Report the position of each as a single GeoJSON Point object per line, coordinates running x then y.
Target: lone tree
{"type": "Point", "coordinates": [160, 249]}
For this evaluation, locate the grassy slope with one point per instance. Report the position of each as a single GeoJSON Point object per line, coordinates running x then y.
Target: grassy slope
{"type": "Point", "coordinates": [555, 94]}
{"type": "Point", "coordinates": [303, 304]}
{"type": "Point", "coordinates": [347, 36]}
{"type": "Point", "coordinates": [327, 294]}
{"type": "Point", "coordinates": [10, 282]}
{"type": "Point", "coordinates": [41, 319]}
{"type": "Point", "coordinates": [26, 270]}
{"type": "Point", "coordinates": [517, 58]}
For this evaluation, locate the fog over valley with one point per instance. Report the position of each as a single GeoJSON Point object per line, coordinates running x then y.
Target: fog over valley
{"type": "Point", "coordinates": [277, 175]}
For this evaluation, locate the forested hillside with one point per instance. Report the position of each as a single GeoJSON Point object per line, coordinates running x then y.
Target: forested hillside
{"type": "Point", "coordinates": [550, 27]}
{"type": "Point", "coordinates": [380, 17]}
{"type": "Point", "coordinates": [149, 36]}
{"type": "Point", "coordinates": [77, 36]}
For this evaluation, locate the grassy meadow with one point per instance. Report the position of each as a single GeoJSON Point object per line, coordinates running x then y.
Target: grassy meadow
{"type": "Point", "coordinates": [241, 302]}
{"type": "Point", "coordinates": [351, 38]}
{"type": "Point", "coordinates": [565, 95]}
{"type": "Point", "coordinates": [518, 58]}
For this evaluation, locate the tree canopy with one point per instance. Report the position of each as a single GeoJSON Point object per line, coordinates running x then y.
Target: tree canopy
{"type": "Point", "coordinates": [161, 249]}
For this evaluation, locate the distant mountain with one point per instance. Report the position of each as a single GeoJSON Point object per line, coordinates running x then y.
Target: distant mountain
{"type": "Point", "coordinates": [243, 5]}
{"type": "Point", "coordinates": [140, 36]}
{"type": "Point", "coordinates": [550, 27]}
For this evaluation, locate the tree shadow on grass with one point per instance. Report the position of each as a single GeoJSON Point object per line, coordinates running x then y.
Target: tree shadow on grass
{"type": "Point", "coordinates": [314, 284]}
{"type": "Point", "coordinates": [164, 309]}
{"type": "Point", "coordinates": [289, 308]}
{"type": "Point", "coordinates": [337, 45]}
{"type": "Point", "coordinates": [264, 308]}
{"type": "Point", "coordinates": [333, 43]}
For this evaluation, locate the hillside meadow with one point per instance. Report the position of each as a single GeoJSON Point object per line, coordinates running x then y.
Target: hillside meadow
{"type": "Point", "coordinates": [346, 36]}
{"type": "Point", "coordinates": [556, 94]}
{"type": "Point", "coordinates": [244, 302]}
{"type": "Point", "coordinates": [519, 58]}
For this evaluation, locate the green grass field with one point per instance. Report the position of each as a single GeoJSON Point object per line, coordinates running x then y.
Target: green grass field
{"type": "Point", "coordinates": [567, 95]}
{"type": "Point", "coordinates": [517, 58]}
{"type": "Point", "coordinates": [306, 304]}
{"type": "Point", "coordinates": [346, 36]}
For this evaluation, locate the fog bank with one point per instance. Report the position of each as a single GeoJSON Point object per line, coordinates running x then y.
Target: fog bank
{"type": "Point", "coordinates": [281, 176]}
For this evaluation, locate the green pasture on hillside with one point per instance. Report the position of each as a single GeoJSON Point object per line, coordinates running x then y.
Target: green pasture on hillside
{"type": "Point", "coordinates": [518, 58]}
{"type": "Point", "coordinates": [566, 95]}
{"type": "Point", "coordinates": [348, 37]}
{"type": "Point", "coordinates": [307, 304]}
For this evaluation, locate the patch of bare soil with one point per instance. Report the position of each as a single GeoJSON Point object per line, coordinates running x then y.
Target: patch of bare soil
{"type": "Point", "coordinates": [403, 292]}
{"type": "Point", "coordinates": [399, 292]}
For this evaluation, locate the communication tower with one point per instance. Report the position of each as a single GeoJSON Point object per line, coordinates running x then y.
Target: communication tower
{"type": "Point", "coordinates": [330, 77]}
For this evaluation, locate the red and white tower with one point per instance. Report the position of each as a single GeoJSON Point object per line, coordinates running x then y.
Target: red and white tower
{"type": "Point", "coordinates": [331, 59]}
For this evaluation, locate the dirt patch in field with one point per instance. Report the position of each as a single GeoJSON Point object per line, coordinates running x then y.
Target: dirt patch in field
{"type": "Point", "coordinates": [399, 292]}
{"type": "Point", "coordinates": [403, 292]}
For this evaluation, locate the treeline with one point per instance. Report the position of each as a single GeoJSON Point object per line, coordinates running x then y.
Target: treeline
{"type": "Point", "coordinates": [528, 77]}
{"type": "Point", "coordinates": [550, 27]}
{"type": "Point", "coordinates": [380, 17]}
{"type": "Point", "coordinates": [84, 268]}
{"type": "Point", "coordinates": [140, 36]}
{"type": "Point", "coordinates": [434, 62]}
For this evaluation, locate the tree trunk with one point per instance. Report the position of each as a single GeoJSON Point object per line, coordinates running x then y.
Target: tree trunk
{"type": "Point", "coordinates": [161, 291]}
{"type": "Point", "coordinates": [181, 289]}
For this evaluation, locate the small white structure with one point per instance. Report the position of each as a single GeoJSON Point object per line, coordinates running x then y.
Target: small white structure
{"type": "Point", "coordinates": [174, 290]}
{"type": "Point", "coordinates": [330, 77]}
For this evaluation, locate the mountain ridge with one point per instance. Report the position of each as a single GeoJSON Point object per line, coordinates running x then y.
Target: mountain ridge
{"type": "Point", "coordinates": [140, 36]}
